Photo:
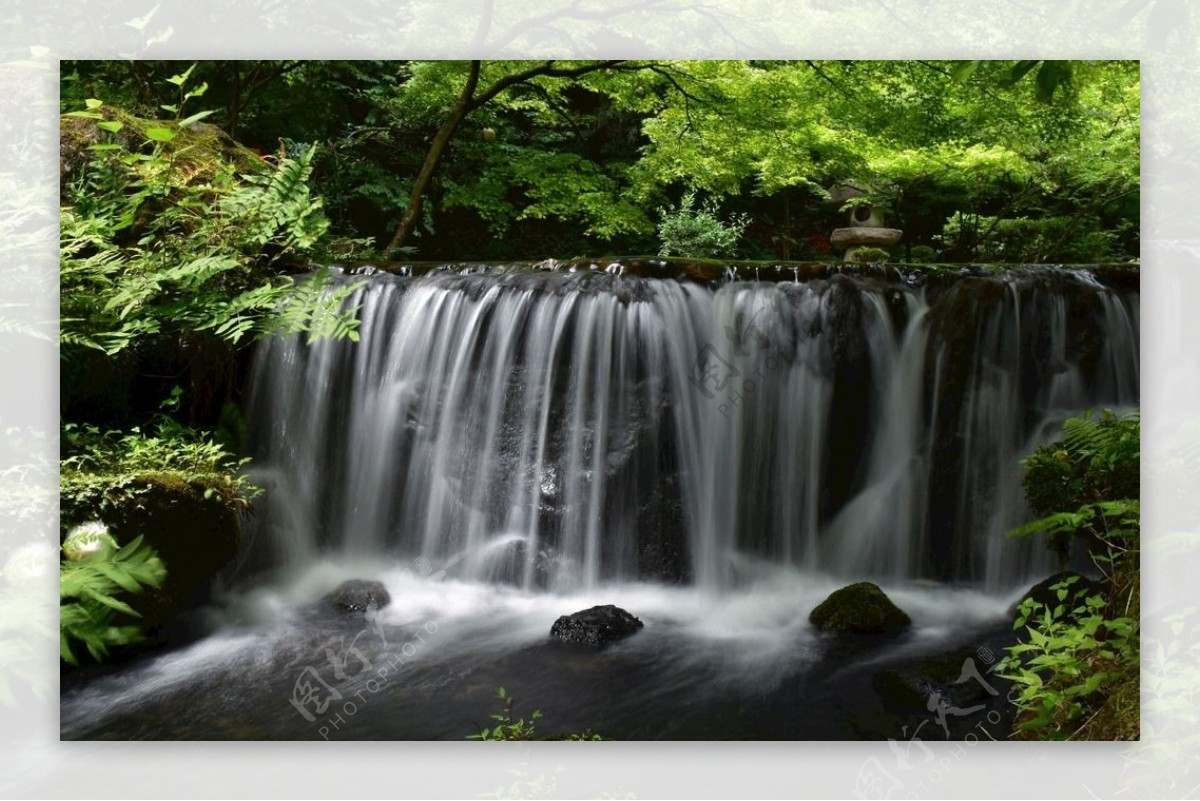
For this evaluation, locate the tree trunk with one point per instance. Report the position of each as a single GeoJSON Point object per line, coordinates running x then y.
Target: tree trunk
{"type": "Point", "coordinates": [787, 226]}
{"type": "Point", "coordinates": [412, 213]}
{"type": "Point", "coordinates": [467, 102]}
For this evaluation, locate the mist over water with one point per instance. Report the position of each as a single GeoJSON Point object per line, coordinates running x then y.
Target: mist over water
{"type": "Point", "coordinates": [504, 446]}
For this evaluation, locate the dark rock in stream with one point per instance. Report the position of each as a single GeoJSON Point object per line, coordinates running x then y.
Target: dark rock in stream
{"type": "Point", "coordinates": [596, 626]}
{"type": "Point", "coordinates": [357, 595]}
{"type": "Point", "coordinates": [954, 691]}
{"type": "Point", "coordinates": [860, 608]}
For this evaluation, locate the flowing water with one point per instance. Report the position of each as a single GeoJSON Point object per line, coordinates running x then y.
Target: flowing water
{"type": "Point", "coordinates": [504, 445]}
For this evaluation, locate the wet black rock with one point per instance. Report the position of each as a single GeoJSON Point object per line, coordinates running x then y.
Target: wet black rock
{"type": "Point", "coordinates": [596, 626]}
{"type": "Point", "coordinates": [358, 596]}
{"type": "Point", "coordinates": [860, 608]}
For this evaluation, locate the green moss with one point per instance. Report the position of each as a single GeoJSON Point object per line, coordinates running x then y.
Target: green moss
{"type": "Point", "coordinates": [860, 608]}
{"type": "Point", "coordinates": [202, 150]}
{"type": "Point", "coordinates": [1119, 718]}
{"type": "Point", "coordinates": [870, 256]}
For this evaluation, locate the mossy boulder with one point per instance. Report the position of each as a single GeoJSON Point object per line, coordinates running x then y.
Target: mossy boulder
{"type": "Point", "coordinates": [201, 151]}
{"type": "Point", "coordinates": [193, 522]}
{"type": "Point", "coordinates": [860, 608]}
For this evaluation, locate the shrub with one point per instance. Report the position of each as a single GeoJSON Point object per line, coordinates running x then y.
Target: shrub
{"type": "Point", "coordinates": [698, 232]}
{"type": "Point", "coordinates": [1096, 460]}
{"type": "Point", "coordinates": [1072, 661]}
{"type": "Point", "coordinates": [869, 255]}
{"type": "Point", "coordinates": [1032, 240]}
{"type": "Point", "coordinates": [922, 254]}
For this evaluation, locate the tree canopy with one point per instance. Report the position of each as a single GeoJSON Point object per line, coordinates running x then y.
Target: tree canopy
{"type": "Point", "coordinates": [977, 160]}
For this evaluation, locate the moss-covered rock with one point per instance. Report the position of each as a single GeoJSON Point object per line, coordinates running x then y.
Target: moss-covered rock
{"type": "Point", "coordinates": [860, 608]}
{"type": "Point", "coordinates": [200, 151]}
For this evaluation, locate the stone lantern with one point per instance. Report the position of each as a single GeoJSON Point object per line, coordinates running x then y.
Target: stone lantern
{"type": "Point", "coordinates": [866, 228]}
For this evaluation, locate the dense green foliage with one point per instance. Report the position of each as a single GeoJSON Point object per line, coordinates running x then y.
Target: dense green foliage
{"type": "Point", "coordinates": [1083, 484]}
{"type": "Point", "coordinates": [160, 237]}
{"type": "Point", "coordinates": [102, 470]}
{"type": "Point", "coordinates": [1081, 654]}
{"type": "Point", "coordinates": [1025, 161]}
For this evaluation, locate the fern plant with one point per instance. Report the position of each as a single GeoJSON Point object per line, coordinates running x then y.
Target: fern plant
{"type": "Point", "coordinates": [277, 206]}
{"type": "Point", "coordinates": [89, 594]}
{"type": "Point", "coordinates": [166, 232]}
{"type": "Point", "coordinates": [1096, 461]}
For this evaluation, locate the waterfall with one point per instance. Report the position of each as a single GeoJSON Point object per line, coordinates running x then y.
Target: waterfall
{"type": "Point", "coordinates": [559, 429]}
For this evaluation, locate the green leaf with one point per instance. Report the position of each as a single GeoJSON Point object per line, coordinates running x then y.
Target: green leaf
{"type": "Point", "coordinates": [112, 126]}
{"type": "Point", "coordinates": [93, 103]}
{"type": "Point", "coordinates": [160, 134]}
{"type": "Point", "coordinates": [180, 80]}
{"type": "Point", "coordinates": [195, 118]}
{"type": "Point", "coordinates": [110, 602]}
{"type": "Point", "coordinates": [963, 70]}
{"type": "Point", "coordinates": [1052, 75]}
{"type": "Point", "coordinates": [1018, 71]}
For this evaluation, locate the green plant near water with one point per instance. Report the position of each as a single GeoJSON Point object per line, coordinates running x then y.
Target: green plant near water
{"type": "Point", "coordinates": [1086, 483]}
{"type": "Point", "coordinates": [508, 727]}
{"type": "Point", "coordinates": [1072, 654]}
{"type": "Point", "coordinates": [103, 471]}
{"type": "Point", "coordinates": [1077, 667]}
{"type": "Point", "coordinates": [697, 231]}
{"type": "Point", "coordinates": [90, 599]}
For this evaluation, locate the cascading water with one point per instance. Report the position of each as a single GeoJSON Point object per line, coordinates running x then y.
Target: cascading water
{"type": "Point", "coordinates": [561, 429]}
{"type": "Point", "coordinates": [714, 455]}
